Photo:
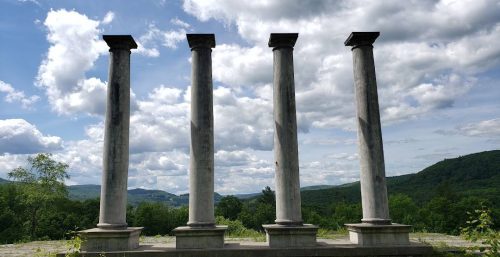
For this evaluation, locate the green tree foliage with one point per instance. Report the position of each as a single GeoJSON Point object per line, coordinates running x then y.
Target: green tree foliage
{"type": "Point", "coordinates": [42, 182]}
{"type": "Point", "coordinates": [267, 197]}
{"type": "Point", "coordinates": [259, 211]}
{"type": "Point", "coordinates": [403, 209]}
{"type": "Point", "coordinates": [441, 207]}
{"type": "Point", "coordinates": [229, 207]}
{"type": "Point", "coordinates": [158, 218]}
{"type": "Point", "coordinates": [11, 214]}
{"type": "Point", "coordinates": [479, 228]}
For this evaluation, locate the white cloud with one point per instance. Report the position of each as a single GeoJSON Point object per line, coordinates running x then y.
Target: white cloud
{"type": "Point", "coordinates": [149, 42]}
{"type": "Point", "coordinates": [18, 136]}
{"type": "Point", "coordinates": [429, 42]}
{"type": "Point", "coordinates": [74, 48]}
{"type": "Point", "coordinates": [485, 128]}
{"type": "Point", "coordinates": [180, 23]}
{"type": "Point", "coordinates": [108, 18]}
{"type": "Point", "coordinates": [30, 1]}
{"type": "Point", "coordinates": [149, 52]}
{"type": "Point", "coordinates": [12, 95]}
{"type": "Point", "coordinates": [246, 66]}
{"type": "Point", "coordinates": [8, 162]}
{"type": "Point", "coordinates": [242, 122]}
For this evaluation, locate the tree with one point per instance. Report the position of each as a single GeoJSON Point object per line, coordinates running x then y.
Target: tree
{"type": "Point", "coordinates": [267, 197]}
{"type": "Point", "coordinates": [229, 207]}
{"type": "Point", "coordinates": [41, 182]}
{"type": "Point", "coordinates": [403, 209]}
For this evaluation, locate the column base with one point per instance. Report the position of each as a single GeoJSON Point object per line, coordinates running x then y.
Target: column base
{"type": "Point", "coordinates": [199, 237]}
{"type": "Point", "coordinates": [100, 240]}
{"type": "Point", "coordinates": [365, 234]}
{"type": "Point", "coordinates": [282, 236]}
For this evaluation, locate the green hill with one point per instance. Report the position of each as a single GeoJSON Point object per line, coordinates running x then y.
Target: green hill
{"type": "Point", "coordinates": [475, 174]}
{"type": "Point", "coordinates": [135, 196]}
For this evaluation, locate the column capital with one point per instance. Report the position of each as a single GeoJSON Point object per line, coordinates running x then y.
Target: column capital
{"type": "Point", "coordinates": [283, 39]}
{"type": "Point", "coordinates": [126, 42]}
{"type": "Point", "coordinates": [201, 40]}
{"type": "Point", "coordinates": [361, 38]}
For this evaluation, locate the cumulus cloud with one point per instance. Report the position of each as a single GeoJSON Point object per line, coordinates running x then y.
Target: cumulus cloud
{"type": "Point", "coordinates": [17, 136]}
{"type": "Point", "coordinates": [149, 43]}
{"type": "Point", "coordinates": [12, 95]}
{"type": "Point", "coordinates": [429, 42]}
{"type": "Point", "coordinates": [485, 128]}
{"type": "Point", "coordinates": [180, 23]}
{"type": "Point", "coordinates": [108, 18]}
{"type": "Point", "coordinates": [74, 48]}
{"type": "Point", "coordinates": [248, 65]}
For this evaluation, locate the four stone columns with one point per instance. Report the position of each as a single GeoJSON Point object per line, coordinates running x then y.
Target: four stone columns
{"type": "Point", "coordinates": [289, 230]}
{"type": "Point", "coordinates": [112, 233]}
{"type": "Point", "coordinates": [376, 225]}
{"type": "Point", "coordinates": [201, 231]}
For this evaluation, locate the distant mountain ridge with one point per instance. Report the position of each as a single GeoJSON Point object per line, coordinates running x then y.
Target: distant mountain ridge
{"type": "Point", "coordinates": [475, 174]}
{"type": "Point", "coordinates": [135, 196]}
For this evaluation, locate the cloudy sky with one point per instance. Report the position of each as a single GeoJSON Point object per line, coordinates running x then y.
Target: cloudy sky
{"type": "Point", "coordinates": [437, 62]}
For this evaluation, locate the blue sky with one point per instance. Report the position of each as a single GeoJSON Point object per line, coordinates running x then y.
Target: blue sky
{"type": "Point", "coordinates": [437, 62]}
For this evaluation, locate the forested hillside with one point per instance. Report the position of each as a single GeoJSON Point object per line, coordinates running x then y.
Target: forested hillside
{"type": "Point", "coordinates": [470, 175]}
{"type": "Point", "coordinates": [436, 199]}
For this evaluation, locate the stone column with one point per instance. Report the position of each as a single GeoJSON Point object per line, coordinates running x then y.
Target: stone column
{"type": "Point", "coordinates": [201, 231]}
{"type": "Point", "coordinates": [116, 135]}
{"type": "Point", "coordinates": [112, 232]}
{"type": "Point", "coordinates": [286, 156]}
{"type": "Point", "coordinates": [372, 179]}
{"type": "Point", "coordinates": [201, 170]}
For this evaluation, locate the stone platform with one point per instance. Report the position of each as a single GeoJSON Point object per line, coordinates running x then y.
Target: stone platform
{"type": "Point", "coordinates": [196, 238]}
{"type": "Point", "coordinates": [103, 240]}
{"type": "Point", "coordinates": [281, 236]}
{"type": "Point", "coordinates": [374, 235]}
{"type": "Point", "coordinates": [324, 247]}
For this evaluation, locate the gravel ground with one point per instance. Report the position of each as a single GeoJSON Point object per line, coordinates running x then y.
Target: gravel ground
{"type": "Point", "coordinates": [49, 248]}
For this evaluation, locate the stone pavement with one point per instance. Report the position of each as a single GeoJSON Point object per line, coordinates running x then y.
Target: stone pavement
{"type": "Point", "coordinates": [46, 248]}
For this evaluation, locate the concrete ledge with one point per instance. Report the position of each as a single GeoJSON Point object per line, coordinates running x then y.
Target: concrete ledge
{"type": "Point", "coordinates": [101, 240]}
{"type": "Point", "coordinates": [199, 238]}
{"type": "Point", "coordinates": [236, 249]}
{"type": "Point", "coordinates": [374, 235]}
{"type": "Point", "coordinates": [283, 236]}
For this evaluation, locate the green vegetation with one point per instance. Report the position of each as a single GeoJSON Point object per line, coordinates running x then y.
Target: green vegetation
{"type": "Point", "coordinates": [479, 228]}
{"type": "Point", "coordinates": [437, 199]}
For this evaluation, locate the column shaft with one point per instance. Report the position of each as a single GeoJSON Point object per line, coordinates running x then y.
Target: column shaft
{"type": "Point", "coordinates": [113, 205]}
{"type": "Point", "coordinates": [288, 202]}
{"type": "Point", "coordinates": [201, 173]}
{"type": "Point", "coordinates": [371, 152]}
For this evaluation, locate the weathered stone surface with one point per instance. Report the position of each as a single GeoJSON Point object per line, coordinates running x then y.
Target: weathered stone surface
{"type": "Point", "coordinates": [375, 235]}
{"type": "Point", "coordinates": [324, 248]}
{"type": "Point", "coordinates": [199, 238]}
{"type": "Point", "coordinates": [112, 233]}
{"type": "Point", "coordinates": [376, 228]}
{"type": "Point", "coordinates": [201, 231]}
{"type": "Point", "coordinates": [283, 236]}
{"type": "Point", "coordinates": [201, 171]}
{"type": "Point", "coordinates": [288, 207]}
{"type": "Point", "coordinates": [361, 38]}
{"type": "Point", "coordinates": [113, 203]}
{"type": "Point", "coordinates": [104, 240]}
{"type": "Point", "coordinates": [371, 152]}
